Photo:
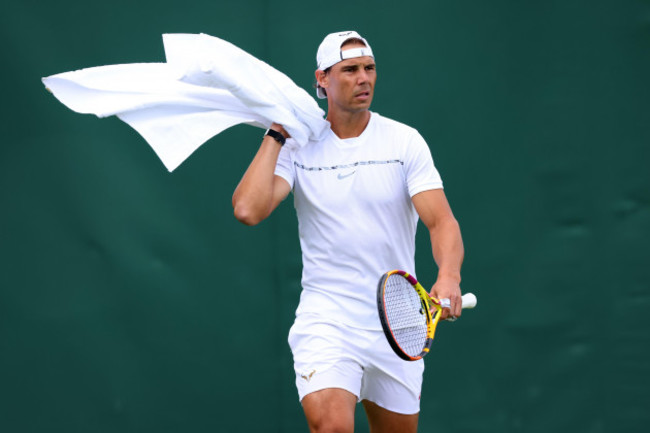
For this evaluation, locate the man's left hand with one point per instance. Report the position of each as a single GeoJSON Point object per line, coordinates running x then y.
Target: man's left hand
{"type": "Point", "coordinates": [448, 289]}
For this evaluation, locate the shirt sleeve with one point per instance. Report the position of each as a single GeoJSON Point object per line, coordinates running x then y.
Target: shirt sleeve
{"type": "Point", "coordinates": [421, 173]}
{"type": "Point", "coordinates": [284, 167]}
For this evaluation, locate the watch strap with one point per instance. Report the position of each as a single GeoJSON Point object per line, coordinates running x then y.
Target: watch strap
{"type": "Point", "coordinates": [277, 136]}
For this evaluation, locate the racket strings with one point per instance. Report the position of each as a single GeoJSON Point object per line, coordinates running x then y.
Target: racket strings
{"type": "Point", "coordinates": [407, 317]}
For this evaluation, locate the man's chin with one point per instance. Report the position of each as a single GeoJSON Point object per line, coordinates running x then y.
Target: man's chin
{"type": "Point", "coordinates": [362, 105]}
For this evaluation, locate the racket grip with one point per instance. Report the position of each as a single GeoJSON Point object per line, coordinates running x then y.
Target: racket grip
{"type": "Point", "coordinates": [469, 300]}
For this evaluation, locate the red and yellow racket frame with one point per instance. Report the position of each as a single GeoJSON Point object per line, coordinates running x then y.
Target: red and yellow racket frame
{"type": "Point", "coordinates": [428, 302]}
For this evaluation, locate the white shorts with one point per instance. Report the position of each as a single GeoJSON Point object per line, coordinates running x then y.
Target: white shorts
{"type": "Point", "coordinates": [328, 355]}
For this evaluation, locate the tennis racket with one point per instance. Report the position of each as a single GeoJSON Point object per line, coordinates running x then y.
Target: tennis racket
{"type": "Point", "coordinates": [408, 314]}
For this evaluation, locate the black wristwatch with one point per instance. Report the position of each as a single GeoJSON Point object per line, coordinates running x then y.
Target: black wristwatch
{"type": "Point", "coordinates": [277, 136]}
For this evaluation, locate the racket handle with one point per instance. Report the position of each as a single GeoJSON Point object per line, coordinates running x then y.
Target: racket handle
{"type": "Point", "coordinates": [469, 300]}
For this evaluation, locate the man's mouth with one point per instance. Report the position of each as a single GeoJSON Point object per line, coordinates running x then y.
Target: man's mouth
{"type": "Point", "coordinates": [363, 95]}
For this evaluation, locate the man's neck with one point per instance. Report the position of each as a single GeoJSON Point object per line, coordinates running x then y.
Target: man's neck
{"type": "Point", "coordinates": [348, 125]}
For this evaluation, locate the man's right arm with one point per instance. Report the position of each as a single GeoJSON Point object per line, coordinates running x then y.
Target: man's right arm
{"type": "Point", "coordinates": [260, 191]}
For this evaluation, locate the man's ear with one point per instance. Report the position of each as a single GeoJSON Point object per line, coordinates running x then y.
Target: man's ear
{"type": "Point", "coordinates": [322, 78]}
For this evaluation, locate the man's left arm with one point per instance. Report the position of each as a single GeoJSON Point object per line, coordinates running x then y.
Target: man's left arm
{"type": "Point", "coordinates": [447, 245]}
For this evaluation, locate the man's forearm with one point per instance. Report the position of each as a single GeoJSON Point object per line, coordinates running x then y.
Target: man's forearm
{"type": "Point", "coordinates": [448, 250]}
{"type": "Point", "coordinates": [253, 197]}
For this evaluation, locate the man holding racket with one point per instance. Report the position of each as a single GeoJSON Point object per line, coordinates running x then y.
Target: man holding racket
{"type": "Point", "coordinates": [358, 194]}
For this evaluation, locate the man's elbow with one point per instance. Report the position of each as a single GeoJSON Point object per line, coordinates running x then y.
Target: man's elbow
{"type": "Point", "coordinates": [446, 223]}
{"type": "Point", "coordinates": [247, 216]}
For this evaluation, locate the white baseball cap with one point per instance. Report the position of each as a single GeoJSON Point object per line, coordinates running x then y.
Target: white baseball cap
{"type": "Point", "coordinates": [330, 53]}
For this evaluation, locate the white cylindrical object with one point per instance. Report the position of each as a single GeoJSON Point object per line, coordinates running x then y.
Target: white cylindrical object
{"type": "Point", "coordinates": [469, 300]}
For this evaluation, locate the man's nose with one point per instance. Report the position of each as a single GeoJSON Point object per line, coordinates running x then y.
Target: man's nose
{"type": "Point", "coordinates": [362, 77]}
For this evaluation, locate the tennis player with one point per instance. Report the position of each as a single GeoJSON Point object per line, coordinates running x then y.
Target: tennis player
{"type": "Point", "coordinates": [358, 194]}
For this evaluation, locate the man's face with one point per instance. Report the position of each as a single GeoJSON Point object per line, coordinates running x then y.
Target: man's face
{"type": "Point", "coordinates": [350, 84]}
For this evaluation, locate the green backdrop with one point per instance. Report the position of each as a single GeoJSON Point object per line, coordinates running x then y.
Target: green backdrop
{"type": "Point", "coordinates": [124, 289]}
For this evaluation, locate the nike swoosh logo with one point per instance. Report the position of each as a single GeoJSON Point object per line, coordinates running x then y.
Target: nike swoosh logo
{"type": "Point", "coordinates": [343, 176]}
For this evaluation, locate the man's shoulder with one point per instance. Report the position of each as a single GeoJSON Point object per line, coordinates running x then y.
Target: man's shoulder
{"type": "Point", "coordinates": [388, 123]}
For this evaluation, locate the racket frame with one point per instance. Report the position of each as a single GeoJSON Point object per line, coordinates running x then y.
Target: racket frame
{"type": "Point", "coordinates": [428, 303]}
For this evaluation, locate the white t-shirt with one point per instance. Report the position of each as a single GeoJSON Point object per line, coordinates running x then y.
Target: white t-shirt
{"type": "Point", "coordinates": [355, 215]}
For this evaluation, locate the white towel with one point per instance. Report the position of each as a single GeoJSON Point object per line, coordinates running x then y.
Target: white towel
{"type": "Point", "coordinates": [206, 86]}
